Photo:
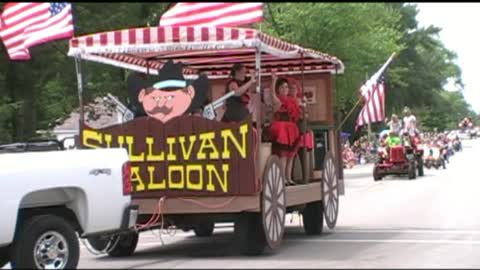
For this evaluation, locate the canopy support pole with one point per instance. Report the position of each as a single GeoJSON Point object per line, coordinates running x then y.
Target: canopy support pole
{"type": "Point", "coordinates": [306, 174]}
{"type": "Point", "coordinates": [258, 106]}
{"type": "Point", "coordinates": [78, 68]}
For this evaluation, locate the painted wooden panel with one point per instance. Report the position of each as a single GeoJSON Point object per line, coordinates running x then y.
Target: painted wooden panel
{"type": "Point", "coordinates": [188, 156]}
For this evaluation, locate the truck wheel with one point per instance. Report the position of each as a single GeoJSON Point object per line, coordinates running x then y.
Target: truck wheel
{"type": "Point", "coordinates": [420, 167]}
{"type": "Point", "coordinates": [313, 218]}
{"type": "Point", "coordinates": [376, 174]}
{"type": "Point", "coordinates": [4, 256]}
{"type": "Point", "coordinates": [204, 229]}
{"type": "Point", "coordinates": [125, 246]}
{"type": "Point", "coordinates": [427, 164]}
{"type": "Point", "coordinates": [249, 234]}
{"type": "Point", "coordinates": [412, 171]}
{"type": "Point", "coordinates": [45, 241]}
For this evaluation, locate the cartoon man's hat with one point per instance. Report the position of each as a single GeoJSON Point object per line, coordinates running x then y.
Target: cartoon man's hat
{"type": "Point", "coordinates": [170, 77]}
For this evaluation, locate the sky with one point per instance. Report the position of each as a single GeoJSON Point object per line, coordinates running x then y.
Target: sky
{"type": "Point", "coordinates": [459, 23]}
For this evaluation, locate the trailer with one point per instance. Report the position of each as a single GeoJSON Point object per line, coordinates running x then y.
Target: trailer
{"type": "Point", "coordinates": [193, 171]}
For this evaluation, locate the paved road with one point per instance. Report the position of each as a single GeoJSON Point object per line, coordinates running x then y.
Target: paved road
{"type": "Point", "coordinates": [431, 222]}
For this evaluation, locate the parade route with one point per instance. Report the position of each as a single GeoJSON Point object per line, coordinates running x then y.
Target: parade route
{"type": "Point", "coordinates": [395, 223]}
{"type": "Point", "coordinates": [430, 222]}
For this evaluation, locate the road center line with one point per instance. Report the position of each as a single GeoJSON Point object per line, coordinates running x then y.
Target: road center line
{"type": "Point", "coordinates": [468, 232]}
{"type": "Point", "coordinates": [390, 241]}
{"type": "Point", "coordinates": [358, 241]}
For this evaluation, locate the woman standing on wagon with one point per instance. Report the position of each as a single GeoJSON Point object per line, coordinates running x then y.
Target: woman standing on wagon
{"type": "Point", "coordinates": [306, 136]}
{"type": "Point", "coordinates": [237, 106]}
{"type": "Point", "coordinates": [284, 130]}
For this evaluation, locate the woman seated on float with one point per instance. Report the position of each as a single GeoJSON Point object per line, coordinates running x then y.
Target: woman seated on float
{"type": "Point", "coordinates": [284, 131]}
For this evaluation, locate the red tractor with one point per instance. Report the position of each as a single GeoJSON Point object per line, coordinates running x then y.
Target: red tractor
{"type": "Point", "coordinates": [404, 159]}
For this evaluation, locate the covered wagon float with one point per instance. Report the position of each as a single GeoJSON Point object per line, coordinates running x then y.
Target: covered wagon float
{"type": "Point", "coordinates": [190, 169]}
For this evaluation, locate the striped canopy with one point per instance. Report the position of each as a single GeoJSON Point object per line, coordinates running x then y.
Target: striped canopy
{"type": "Point", "coordinates": [212, 50]}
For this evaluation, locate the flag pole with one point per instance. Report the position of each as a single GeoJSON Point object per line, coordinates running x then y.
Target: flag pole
{"type": "Point", "coordinates": [348, 114]}
{"type": "Point", "coordinates": [369, 125]}
{"type": "Point", "coordinates": [305, 173]}
{"type": "Point", "coordinates": [259, 91]}
{"type": "Point", "coordinates": [78, 68]}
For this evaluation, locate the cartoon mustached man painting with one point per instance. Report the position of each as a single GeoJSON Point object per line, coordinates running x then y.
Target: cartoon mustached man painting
{"type": "Point", "coordinates": [172, 96]}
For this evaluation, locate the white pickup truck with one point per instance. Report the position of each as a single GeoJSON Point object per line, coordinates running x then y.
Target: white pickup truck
{"type": "Point", "coordinates": [49, 199]}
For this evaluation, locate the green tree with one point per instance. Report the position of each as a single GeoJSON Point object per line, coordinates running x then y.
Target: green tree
{"type": "Point", "coordinates": [34, 94]}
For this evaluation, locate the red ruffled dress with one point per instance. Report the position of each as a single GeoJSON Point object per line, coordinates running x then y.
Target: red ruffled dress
{"type": "Point", "coordinates": [284, 130]}
{"type": "Point", "coordinates": [306, 139]}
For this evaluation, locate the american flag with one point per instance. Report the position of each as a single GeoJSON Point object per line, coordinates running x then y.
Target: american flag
{"type": "Point", "coordinates": [373, 95]}
{"type": "Point", "coordinates": [212, 14]}
{"type": "Point", "coordinates": [24, 25]}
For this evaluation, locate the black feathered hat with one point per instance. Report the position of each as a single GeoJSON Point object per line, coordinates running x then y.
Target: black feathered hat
{"type": "Point", "coordinates": [170, 77]}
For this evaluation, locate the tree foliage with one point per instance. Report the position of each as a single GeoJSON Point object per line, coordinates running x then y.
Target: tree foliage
{"type": "Point", "coordinates": [364, 35]}
{"type": "Point", "coordinates": [34, 94]}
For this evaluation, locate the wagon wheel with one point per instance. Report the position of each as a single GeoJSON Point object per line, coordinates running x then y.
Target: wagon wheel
{"type": "Point", "coordinates": [330, 191]}
{"type": "Point", "coordinates": [273, 202]}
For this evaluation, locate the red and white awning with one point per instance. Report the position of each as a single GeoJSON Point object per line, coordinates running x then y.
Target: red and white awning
{"type": "Point", "coordinates": [209, 49]}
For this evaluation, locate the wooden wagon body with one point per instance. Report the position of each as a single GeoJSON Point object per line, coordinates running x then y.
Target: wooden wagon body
{"type": "Point", "coordinates": [192, 172]}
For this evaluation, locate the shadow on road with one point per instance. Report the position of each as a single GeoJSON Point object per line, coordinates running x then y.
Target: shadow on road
{"type": "Point", "coordinates": [222, 245]}
{"type": "Point", "coordinates": [358, 175]}
{"type": "Point", "coordinates": [405, 178]}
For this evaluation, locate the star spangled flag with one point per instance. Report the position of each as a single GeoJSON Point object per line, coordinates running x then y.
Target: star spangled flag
{"type": "Point", "coordinates": [24, 25]}
{"type": "Point", "coordinates": [373, 94]}
{"type": "Point", "coordinates": [367, 87]}
{"type": "Point", "coordinates": [374, 109]}
{"type": "Point", "coordinates": [219, 14]}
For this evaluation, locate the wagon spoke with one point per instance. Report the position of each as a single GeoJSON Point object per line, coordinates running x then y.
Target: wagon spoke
{"type": "Point", "coordinates": [330, 191]}
{"type": "Point", "coordinates": [329, 169]}
{"type": "Point", "coordinates": [281, 200]}
{"type": "Point", "coordinates": [272, 228]}
{"type": "Point", "coordinates": [273, 202]}
{"type": "Point", "coordinates": [335, 211]}
{"type": "Point", "coordinates": [330, 206]}
{"type": "Point", "coordinates": [270, 175]}
{"type": "Point", "coordinates": [281, 215]}
{"type": "Point", "coordinates": [326, 187]}
{"type": "Point", "coordinates": [278, 228]}
{"type": "Point", "coordinates": [276, 185]}
{"type": "Point", "coordinates": [268, 191]}
{"type": "Point", "coordinates": [267, 206]}
{"type": "Point", "coordinates": [269, 219]}
{"type": "Point", "coordinates": [326, 197]}
{"type": "Point", "coordinates": [334, 196]}
{"type": "Point", "coordinates": [335, 207]}
{"type": "Point", "coordinates": [326, 168]}
{"type": "Point", "coordinates": [279, 189]}
{"type": "Point", "coordinates": [278, 175]}
{"type": "Point", "coordinates": [335, 186]}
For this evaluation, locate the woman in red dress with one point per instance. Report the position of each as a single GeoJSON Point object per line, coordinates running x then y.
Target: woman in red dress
{"type": "Point", "coordinates": [306, 140]}
{"type": "Point", "coordinates": [284, 130]}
